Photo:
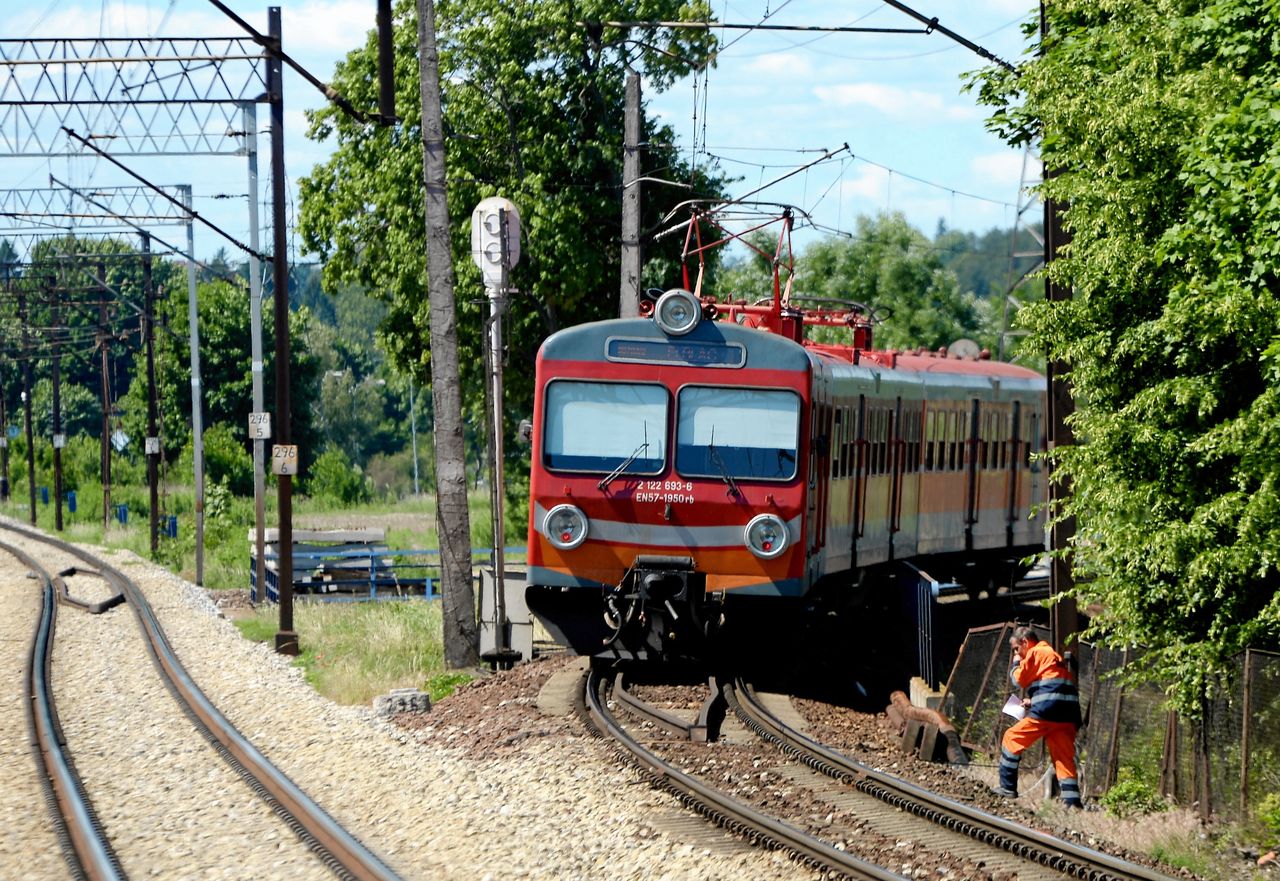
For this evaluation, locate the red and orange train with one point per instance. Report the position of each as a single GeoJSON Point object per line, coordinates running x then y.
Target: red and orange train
{"type": "Point", "coordinates": [707, 461]}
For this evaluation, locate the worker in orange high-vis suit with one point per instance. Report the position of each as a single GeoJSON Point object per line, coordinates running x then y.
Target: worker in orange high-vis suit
{"type": "Point", "coordinates": [1053, 713]}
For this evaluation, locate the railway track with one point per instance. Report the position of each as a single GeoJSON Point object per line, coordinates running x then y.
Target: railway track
{"type": "Point", "coordinates": [1060, 856]}
{"type": "Point", "coordinates": [90, 854]}
{"type": "Point", "coordinates": [870, 812]}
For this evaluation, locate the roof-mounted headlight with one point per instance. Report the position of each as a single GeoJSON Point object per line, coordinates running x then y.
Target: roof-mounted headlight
{"type": "Point", "coordinates": [565, 526]}
{"type": "Point", "coordinates": [677, 312]}
{"type": "Point", "coordinates": [766, 536]}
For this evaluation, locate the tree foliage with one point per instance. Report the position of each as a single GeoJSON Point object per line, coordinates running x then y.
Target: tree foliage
{"type": "Point", "coordinates": [533, 112]}
{"type": "Point", "coordinates": [888, 266]}
{"type": "Point", "coordinates": [1158, 118]}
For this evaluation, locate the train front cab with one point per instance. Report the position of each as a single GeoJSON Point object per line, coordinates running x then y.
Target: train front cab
{"type": "Point", "coordinates": [666, 474]}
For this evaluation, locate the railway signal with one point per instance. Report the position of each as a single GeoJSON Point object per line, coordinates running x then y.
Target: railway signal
{"type": "Point", "coordinates": [495, 247]}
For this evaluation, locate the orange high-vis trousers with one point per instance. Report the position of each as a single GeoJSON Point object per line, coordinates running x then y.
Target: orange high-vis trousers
{"type": "Point", "coordinates": [1059, 737]}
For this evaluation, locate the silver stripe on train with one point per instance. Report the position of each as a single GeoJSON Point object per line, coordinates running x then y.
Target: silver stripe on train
{"type": "Point", "coordinates": [621, 532]}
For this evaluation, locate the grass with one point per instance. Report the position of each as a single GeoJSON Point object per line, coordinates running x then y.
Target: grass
{"type": "Point", "coordinates": [353, 652]}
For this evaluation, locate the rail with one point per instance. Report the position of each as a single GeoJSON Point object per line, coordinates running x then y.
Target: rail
{"type": "Point", "coordinates": [79, 830]}
{"type": "Point", "coordinates": [719, 807]}
{"type": "Point", "coordinates": [1063, 856]}
{"type": "Point", "coordinates": [336, 847]}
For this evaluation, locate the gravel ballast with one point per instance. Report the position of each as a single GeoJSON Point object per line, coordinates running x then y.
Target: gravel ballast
{"type": "Point", "coordinates": [543, 802]}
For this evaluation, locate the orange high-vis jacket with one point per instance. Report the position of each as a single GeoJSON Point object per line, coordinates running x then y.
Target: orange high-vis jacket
{"type": "Point", "coordinates": [1049, 684]}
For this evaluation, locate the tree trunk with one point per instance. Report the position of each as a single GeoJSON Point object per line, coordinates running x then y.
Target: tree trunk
{"type": "Point", "coordinates": [452, 520]}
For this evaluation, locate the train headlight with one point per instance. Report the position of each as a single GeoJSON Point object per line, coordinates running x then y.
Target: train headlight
{"type": "Point", "coordinates": [565, 526]}
{"type": "Point", "coordinates": [766, 536]}
{"type": "Point", "coordinates": [677, 312]}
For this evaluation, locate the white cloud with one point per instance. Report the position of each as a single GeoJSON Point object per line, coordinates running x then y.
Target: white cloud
{"type": "Point", "coordinates": [789, 64]}
{"type": "Point", "coordinates": [1001, 168]}
{"type": "Point", "coordinates": [327, 26]}
{"type": "Point", "coordinates": [892, 101]}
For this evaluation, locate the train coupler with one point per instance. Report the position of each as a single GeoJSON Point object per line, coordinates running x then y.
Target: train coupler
{"type": "Point", "coordinates": [656, 610]}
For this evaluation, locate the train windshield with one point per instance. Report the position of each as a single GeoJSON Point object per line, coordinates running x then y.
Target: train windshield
{"type": "Point", "coordinates": [604, 426]}
{"type": "Point", "coordinates": [737, 433]}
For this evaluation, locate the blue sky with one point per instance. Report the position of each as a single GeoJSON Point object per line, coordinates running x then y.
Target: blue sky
{"type": "Point", "coordinates": [918, 143]}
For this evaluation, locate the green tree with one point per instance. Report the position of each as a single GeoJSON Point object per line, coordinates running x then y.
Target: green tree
{"type": "Point", "coordinates": [224, 369]}
{"type": "Point", "coordinates": [1159, 119]}
{"type": "Point", "coordinates": [533, 111]}
{"type": "Point", "coordinates": [889, 265]}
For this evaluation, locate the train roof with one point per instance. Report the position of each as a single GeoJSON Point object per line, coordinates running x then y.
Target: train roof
{"type": "Point", "coordinates": [729, 345]}
{"type": "Point", "coordinates": [706, 345]}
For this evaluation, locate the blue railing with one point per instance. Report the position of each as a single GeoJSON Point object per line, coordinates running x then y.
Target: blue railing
{"type": "Point", "coordinates": [334, 576]}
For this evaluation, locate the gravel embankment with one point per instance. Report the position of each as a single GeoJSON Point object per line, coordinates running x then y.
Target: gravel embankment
{"type": "Point", "coordinates": [170, 805]}
{"type": "Point", "coordinates": [28, 846]}
{"type": "Point", "coordinates": [533, 799]}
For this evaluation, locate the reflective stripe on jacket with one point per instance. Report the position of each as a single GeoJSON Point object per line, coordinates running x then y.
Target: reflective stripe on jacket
{"type": "Point", "coordinates": [1049, 684]}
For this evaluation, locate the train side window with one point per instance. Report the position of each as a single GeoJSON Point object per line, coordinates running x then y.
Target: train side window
{"type": "Point", "coordinates": [950, 439]}
{"type": "Point", "coordinates": [913, 443]}
{"type": "Point", "coordinates": [993, 449]}
{"type": "Point", "coordinates": [990, 444]}
{"type": "Point", "coordinates": [836, 429]}
{"type": "Point", "coordinates": [886, 455]}
{"type": "Point", "coordinates": [928, 441]}
{"type": "Point", "coordinates": [850, 436]}
{"type": "Point", "coordinates": [1006, 439]}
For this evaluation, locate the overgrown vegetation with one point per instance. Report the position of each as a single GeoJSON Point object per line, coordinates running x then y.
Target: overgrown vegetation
{"type": "Point", "coordinates": [352, 653]}
{"type": "Point", "coordinates": [1131, 796]}
{"type": "Point", "coordinates": [1157, 121]}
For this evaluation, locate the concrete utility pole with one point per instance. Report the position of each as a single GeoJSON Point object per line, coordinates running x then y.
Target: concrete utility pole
{"type": "Point", "coordinates": [1065, 617]}
{"type": "Point", "coordinates": [453, 521]}
{"type": "Point", "coordinates": [255, 354]}
{"type": "Point", "coordinates": [27, 355]}
{"type": "Point", "coordinates": [286, 637]}
{"type": "Point", "coordinates": [152, 444]}
{"type": "Point", "coordinates": [197, 395]}
{"type": "Point", "coordinates": [105, 452]}
{"type": "Point", "coordinates": [629, 297]}
{"type": "Point", "coordinates": [59, 439]}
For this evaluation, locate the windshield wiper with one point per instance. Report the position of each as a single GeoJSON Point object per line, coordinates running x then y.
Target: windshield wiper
{"type": "Point", "coordinates": [626, 463]}
{"type": "Point", "coordinates": [714, 455]}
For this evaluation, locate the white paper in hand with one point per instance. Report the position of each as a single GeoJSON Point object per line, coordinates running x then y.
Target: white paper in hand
{"type": "Point", "coordinates": [1013, 707]}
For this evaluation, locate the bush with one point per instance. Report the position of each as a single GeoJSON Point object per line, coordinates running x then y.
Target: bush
{"type": "Point", "coordinates": [226, 460]}
{"type": "Point", "coordinates": [392, 474]}
{"type": "Point", "coordinates": [1269, 815]}
{"type": "Point", "coordinates": [334, 478]}
{"type": "Point", "coordinates": [1129, 798]}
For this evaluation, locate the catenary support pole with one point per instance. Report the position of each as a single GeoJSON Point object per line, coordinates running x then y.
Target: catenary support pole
{"type": "Point", "coordinates": [629, 296]}
{"type": "Point", "coordinates": [153, 415]}
{"type": "Point", "coordinates": [27, 355]}
{"type": "Point", "coordinates": [104, 354]}
{"type": "Point", "coordinates": [286, 638]}
{"type": "Point", "coordinates": [250, 113]}
{"type": "Point", "coordinates": [55, 369]}
{"type": "Point", "coordinates": [1063, 615]}
{"type": "Point", "coordinates": [197, 395]}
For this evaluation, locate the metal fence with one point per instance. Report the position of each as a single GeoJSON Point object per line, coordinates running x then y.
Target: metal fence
{"type": "Point", "coordinates": [1224, 765]}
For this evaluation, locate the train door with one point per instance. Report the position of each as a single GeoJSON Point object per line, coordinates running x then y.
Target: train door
{"type": "Point", "coordinates": [860, 470]}
{"type": "Point", "coordinates": [1029, 527]}
{"type": "Point", "coordinates": [971, 490]}
{"type": "Point", "coordinates": [820, 425]}
{"type": "Point", "coordinates": [897, 461]}
{"type": "Point", "coordinates": [907, 480]}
